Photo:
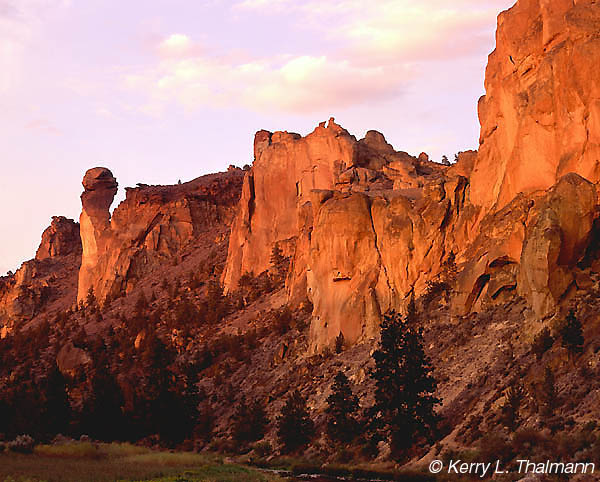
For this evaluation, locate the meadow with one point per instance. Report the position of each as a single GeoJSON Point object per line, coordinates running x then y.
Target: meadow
{"type": "Point", "coordinates": [92, 462]}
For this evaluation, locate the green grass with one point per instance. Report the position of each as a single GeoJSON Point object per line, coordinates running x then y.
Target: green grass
{"type": "Point", "coordinates": [88, 462]}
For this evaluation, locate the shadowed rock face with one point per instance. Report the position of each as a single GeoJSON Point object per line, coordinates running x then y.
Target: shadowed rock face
{"type": "Point", "coordinates": [540, 117]}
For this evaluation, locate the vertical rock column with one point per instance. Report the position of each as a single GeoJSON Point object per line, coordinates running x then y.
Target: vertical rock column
{"type": "Point", "coordinates": [100, 188]}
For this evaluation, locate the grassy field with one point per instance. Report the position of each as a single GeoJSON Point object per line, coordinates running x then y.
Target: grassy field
{"type": "Point", "coordinates": [83, 462]}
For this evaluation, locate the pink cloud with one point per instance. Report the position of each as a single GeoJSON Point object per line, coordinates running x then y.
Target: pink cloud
{"type": "Point", "coordinates": [43, 125]}
{"type": "Point", "coordinates": [371, 53]}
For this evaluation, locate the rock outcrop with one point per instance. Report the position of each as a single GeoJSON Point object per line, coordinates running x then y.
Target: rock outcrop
{"type": "Point", "coordinates": [48, 282]}
{"type": "Point", "coordinates": [287, 168]}
{"type": "Point", "coordinates": [556, 241]}
{"type": "Point", "coordinates": [151, 227]}
{"type": "Point", "coordinates": [540, 117]}
{"type": "Point", "coordinates": [61, 238]}
{"type": "Point", "coordinates": [365, 225]}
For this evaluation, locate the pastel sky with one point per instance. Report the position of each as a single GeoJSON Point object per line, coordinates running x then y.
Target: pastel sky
{"type": "Point", "coordinates": [162, 90]}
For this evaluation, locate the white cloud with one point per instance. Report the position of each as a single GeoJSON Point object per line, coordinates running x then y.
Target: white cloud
{"type": "Point", "coordinates": [176, 45]}
{"type": "Point", "coordinates": [298, 84]}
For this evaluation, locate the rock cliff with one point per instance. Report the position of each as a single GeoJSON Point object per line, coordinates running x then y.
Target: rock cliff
{"type": "Point", "coordinates": [151, 227]}
{"type": "Point", "coordinates": [45, 283]}
{"type": "Point", "coordinates": [366, 226]}
{"type": "Point", "coordinates": [540, 117]}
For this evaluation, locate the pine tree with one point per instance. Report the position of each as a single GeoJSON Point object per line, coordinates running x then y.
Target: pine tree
{"type": "Point", "coordinates": [294, 426]}
{"type": "Point", "coordinates": [249, 421]}
{"type": "Point", "coordinates": [512, 406]}
{"type": "Point", "coordinates": [342, 425]}
{"type": "Point", "coordinates": [279, 262]}
{"type": "Point", "coordinates": [339, 343]}
{"type": "Point", "coordinates": [56, 409]}
{"type": "Point", "coordinates": [404, 386]}
{"type": "Point", "coordinates": [90, 300]}
{"type": "Point", "coordinates": [571, 333]}
{"type": "Point", "coordinates": [103, 416]}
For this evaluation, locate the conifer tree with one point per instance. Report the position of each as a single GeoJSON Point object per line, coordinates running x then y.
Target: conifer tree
{"type": "Point", "coordinates": [404, 386]}
{"type": "Point", "coordinates": [56, 409]}
{"type": "Point", "coordinates": [339, 343]}
{"type": "Point", "coordinates": [342, 425]}
{"type": "Point", "coordinates": [249, 421]}
{"type": "Point", "coordinates": [294, 426]}
{"type": "Point", "coordinates": [571, 333]}
{"type": "Point", "coordinates": [512, 406]}
{"type": "Point", "coordinates": [103, 416]}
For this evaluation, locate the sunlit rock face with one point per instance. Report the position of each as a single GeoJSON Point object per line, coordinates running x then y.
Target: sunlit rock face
{"type": "Point", "coordinates": [61, 238]}
{"type": "Point", "coordinates": [151, 227]}
{"type": "Point", "coordinates": [363, 224]}
{"type": "Point", "coordinates": [48, 282]}
{"type": "Point", "coordinates": [540, 117]}
{"type": "Point", "coordinates": [286, 169]}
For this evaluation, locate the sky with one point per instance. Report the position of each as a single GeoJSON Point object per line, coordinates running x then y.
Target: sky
{"type": "Point", "coordinates": [166, 90]}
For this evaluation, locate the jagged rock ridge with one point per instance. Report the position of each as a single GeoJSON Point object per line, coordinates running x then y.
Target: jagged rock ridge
{"type": "Point", "coordinates": [149, 228]}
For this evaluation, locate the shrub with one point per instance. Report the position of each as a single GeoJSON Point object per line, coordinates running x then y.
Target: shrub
{"type": "Point", "coordinates": [542, 342]}
{"type": "Point", "coordinates": [249, 421]}
{"type": "Point", "coordinates": [263, 449]}
{"type": "Point", "coordinates": [294, 426]}
{"type": "Point", "coordinates": [495, 447]}
{"type": "Point", "coordinates": [23, 444]}
{"type": "Point", "coordinates": [283, 320]}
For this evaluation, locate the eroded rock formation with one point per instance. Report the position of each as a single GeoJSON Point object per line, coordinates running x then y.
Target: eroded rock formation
{"type": "Point", "coordinates": [540, 117]}
{"type": "Point", "coordinates": [366, 226]}
{"type": "Point", "coordinates": [151, 227]}
{"type": "Point", "coordinates": [47, 282]}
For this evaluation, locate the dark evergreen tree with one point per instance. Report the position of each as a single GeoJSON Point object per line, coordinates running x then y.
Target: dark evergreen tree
{"type": "Point", "coordinates": [342, 424]}
{"type": "Point", "coordinates": [56, 410]}
{"type": "Point", "coordinates": [103, 415]}
{"type": "Point", "coordinates": [294, 426]}
{"type": "Point", "coordinates": [339, 343]}
{"type": "Point", "coordinates": [571, 334]}
{"type": "Point", "coordinates": [249, 421]}
{"type": "Point", "coordinates": [404, 386]}
{"type": "Point", "coordinates": [279, 263]}
{"type": "Point", "coordinates": [512, 406]}
{"type": "Point", "coordinates": [542, 342]}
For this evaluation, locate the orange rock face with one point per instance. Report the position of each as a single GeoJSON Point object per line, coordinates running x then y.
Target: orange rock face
{"type": "Point", "coordinates": [364, 225]}
{"type": "Point", "coordinates": [287, 168]}
{"type": "Point", "coordinates": [151, 227]}
{"type": "Point", "coordinates": [540, 117]}
{"type": "Point", "coordinates": [59, 239]}
{"type": "Point", "coordinates": [48, 282]}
